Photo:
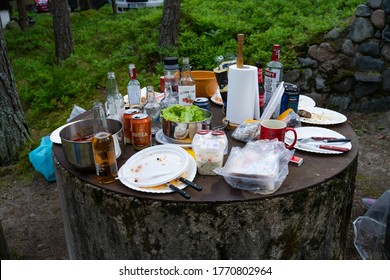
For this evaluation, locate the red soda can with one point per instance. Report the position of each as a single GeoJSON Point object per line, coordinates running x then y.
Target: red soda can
{"type": "Point", "coordinates": [141, 133]}
{"type": "Point", "coordinates": [127, 121]}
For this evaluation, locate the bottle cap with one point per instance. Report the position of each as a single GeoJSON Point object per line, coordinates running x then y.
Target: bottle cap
{"type": "Point", "coordinates": [171, 63]}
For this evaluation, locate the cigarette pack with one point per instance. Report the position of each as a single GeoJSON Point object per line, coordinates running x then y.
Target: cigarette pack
{"type": "Point", "coordinates": [297, 160]}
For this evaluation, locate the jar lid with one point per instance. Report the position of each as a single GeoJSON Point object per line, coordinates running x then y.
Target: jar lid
{"type": "Point", "coordinates": [171, 63]}
{"type": "Point", "coordinates": [203, 132]}
{"type": "Point", "coordinates": [217, 133]}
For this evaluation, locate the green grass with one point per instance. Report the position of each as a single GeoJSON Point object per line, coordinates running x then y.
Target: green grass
{"type": "Point", "coordinates": [104, 42]}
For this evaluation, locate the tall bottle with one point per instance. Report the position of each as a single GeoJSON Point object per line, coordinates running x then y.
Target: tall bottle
{"type": "Point", "coordinates": [259, 66]}
{"type": "Point", "coordinates": [273, 74]}
{"type": "Point", "coordinates": [172, 74]}
{"type": "Point", "coordinates": [114, 94]}
{"type": "Point", "coordinates": [152, 109]}
{"type": "Point", "coordinates": [103, 147]}
{"type": "Point", "coordinates": [168, 99]}
{"type": "Point", "coordinates": [187, 91]}
{"type": "Point", "coordinates": [133, 88]}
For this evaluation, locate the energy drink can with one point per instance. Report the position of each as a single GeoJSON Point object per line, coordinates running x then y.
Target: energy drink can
{"type": "Point", "coordinates": [290, 98]}
{"type": "Point", "coordinates": [202, 102]}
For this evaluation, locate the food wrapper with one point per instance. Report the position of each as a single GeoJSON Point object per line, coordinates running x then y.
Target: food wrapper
{"type": "Point", "coordinates": [260, 167]}
{"type": "Point", "coordinates": [291, 118]}
{"type": "Point", "coordinates": [249, 130]}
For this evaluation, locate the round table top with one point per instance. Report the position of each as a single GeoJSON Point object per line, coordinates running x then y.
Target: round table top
{"type": "Point", "coordinates": [315, 170]}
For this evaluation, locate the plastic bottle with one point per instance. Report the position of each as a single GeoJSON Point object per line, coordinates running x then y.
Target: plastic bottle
{"type": "Point", "coordinates": [114, 94]}
{"type": "Point", "coordinates": [187, 90]}
{"type": "Point", "coordinates": [103, 147]}
{"type": "Point", "coordinates": [273, 74]}
{"type": "Point", "coordinates": [172, 74]}
{"type": "Point", "coordinates": [152, 109]}
{"type": "Point", "coordinates": [133, 88]}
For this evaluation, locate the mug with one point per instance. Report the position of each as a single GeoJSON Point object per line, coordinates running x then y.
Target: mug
{"type": "Point", "coordinates": [271, 129]}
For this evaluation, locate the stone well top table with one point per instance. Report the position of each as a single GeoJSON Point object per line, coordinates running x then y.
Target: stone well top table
{"type": "Point", "coordinates": [307, 218]}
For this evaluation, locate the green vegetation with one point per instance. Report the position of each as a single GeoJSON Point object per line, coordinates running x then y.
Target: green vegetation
{"type": "Point", "coordinates": [104, 42]}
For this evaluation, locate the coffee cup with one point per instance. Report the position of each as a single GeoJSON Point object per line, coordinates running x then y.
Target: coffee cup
{"type": "Point", "coordinates": [276, 129]}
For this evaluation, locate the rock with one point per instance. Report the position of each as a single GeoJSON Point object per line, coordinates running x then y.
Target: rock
{"type": "Point", "coordinates": [322, 52]}
{"type": "Point", "coordinates": [348, 47]}
{"type": "Point", "coordinates": [378, 19]}
{"type": "Point", "coordinates": [385, 52]}
{"type": "Point", "coordinates": [386, 80]}
{"type": "Point", "coordinates": [374, 4]}
{"type": "Point", "coordinates": [366, 89]}
{"type": "Point", "coordinates": [367, 63]}
{"type": "Point", "coordinates": [363, 11]}
{"type": "Point", "coordinates": [321, 83]}
{"type": "Point", "coordinates": [371, 48]}
{"type": "Point", "coordinates": [368, 77]}
{"type": "Point", "coordinates": [361, 29]}
{"type": "Point", "coordinates": [340, 102]}
{"type": "Point", "coordinates": [386, 35]}
{"type": "Point", "coordinates": [344, 86]}
{"type": "Point", "coordinates": [386, 5]}
{"type": "Point", "coordinates": [292, 76]}
{"type": "Point", "coordinates": [307, 62]}
{"type": "Point", "coordinates": [332, 35]}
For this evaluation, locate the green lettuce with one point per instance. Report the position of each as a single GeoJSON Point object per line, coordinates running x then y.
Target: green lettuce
{"type": "Point", "coordinates": [179, 113]}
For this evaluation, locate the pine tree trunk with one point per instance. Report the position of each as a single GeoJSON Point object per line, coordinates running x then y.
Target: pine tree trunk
{"type": "Point", "coordinates": [62, 32]}
{"type": "Point", "coordinates": [23, 19]}
{"type": "Point", "coordinates": [169, 32]}
{"type": "Point", "coordinates": [13, 128]}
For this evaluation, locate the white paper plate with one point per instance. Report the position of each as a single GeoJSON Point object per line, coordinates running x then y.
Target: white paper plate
{"type": "Point", "coordinates": [217, 98]}
{"type": "Point", "coordinates": [310, 131]}
{"type": "Point", "coordinates": [55, 135]}
{"type": "Point", "coordinates": [160, 138]}
{"type": "Point", "coordinates": [189, 174]}
{"type": "Point", "coordinates": [323, 116]}
{"type": "Point", "coordinates": [305, 102]}
{"type": "Point", "coordinates": [168, 160]}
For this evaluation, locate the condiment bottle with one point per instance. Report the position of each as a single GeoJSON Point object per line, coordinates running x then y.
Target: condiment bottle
{"type": "Point", "coordinates": [172, 74]}
{"type": "Point", "coordinates": [152, 109]}
{"type": "Point", "coordinates": [273, 74]}
{"type": "Point", "coordinates": [133, 88]}
{"type": "Point", "coordinates": [103, 147]}
{"type": "Point", "coordinates": [187, 91]}
{"type": "Point", "coordinates": [114, 94]}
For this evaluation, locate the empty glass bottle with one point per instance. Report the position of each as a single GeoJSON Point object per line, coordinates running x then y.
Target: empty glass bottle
{"type": "Point", "coordinates": [114, 94]}
{"type": "Point", "coordinates": [168, 99]}
{"type": "Point", "coordinates": [152, 109]}
{"type": "Point", "coordinates": [133, 88]}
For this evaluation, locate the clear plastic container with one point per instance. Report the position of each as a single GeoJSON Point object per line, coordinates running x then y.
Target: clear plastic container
{"type": "Point", "coordinates": [209, 146]}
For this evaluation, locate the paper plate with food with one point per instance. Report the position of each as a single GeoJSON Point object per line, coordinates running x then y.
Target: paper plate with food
{"type": "Point", "coordinates": [321, 116]}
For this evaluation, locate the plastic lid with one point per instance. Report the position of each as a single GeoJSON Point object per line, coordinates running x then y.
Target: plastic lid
{"type": "Point", "coordinates": [290, 87]}
{"type": "Point", "coordinates": [171, 63]}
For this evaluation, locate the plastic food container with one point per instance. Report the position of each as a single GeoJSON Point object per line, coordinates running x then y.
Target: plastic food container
{"type": "Point", "coordinates": [209, 146]}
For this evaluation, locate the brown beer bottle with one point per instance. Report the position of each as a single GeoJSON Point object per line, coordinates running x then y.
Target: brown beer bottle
{"type": "Point", "coordinates": [103, 147]}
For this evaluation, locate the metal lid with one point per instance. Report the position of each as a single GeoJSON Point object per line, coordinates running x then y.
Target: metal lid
{"type": "Point", "coordinates": [139, 116]}
{"type": "Point", "coordinates": [171, 63]}
{"type": "Point", "coordinates": [201, 99]}
{"type": "Point", "coordinates": [290, 87]}
{"type": "Point", "coordinates": [132, 111]}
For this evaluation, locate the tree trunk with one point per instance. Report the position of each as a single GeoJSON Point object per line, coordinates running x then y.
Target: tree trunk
{"type": "Point", "coordinates": [62, 32]}
{"type": "Point", "coordinates": [23, 19]}
{"type": "Point", "coordinates": [113, 5]}
{"type": "Point", "coordinates": [169, 32]}
{"type": "Point", "coordinates": [13, 128]}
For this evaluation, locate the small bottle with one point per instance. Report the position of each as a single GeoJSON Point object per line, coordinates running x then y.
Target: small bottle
{"type": "Point", "coordinates": [168, 99]}
{"type": "Point", "coordinates": [273, 74]}
{"type": "Point", "coordinates": [172, 74]}
{"type": "Point", "coordinates": [133, 88]}
{"type": "Point", "coordinates": [152, 109]}
{"type": "Point", "coordinates": [187, 91]}
{"type": "Point", "coordinates": [259, 66]}
{"type": "Point", "coordinates": [114, 94]}
{"type": "Point", "coordinates": [103, 147]}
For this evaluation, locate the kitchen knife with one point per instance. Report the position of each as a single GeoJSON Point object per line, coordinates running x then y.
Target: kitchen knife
{"type": "Point", "coordinates": [331, 139]}
{"type": "Point", "coordinates": [325, 147]}
{"type": "Point", "coordinates": [179, 191]}
{"type": "Point", "coordinates": [191, 184]}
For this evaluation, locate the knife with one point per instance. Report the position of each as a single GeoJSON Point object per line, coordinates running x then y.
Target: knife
{"type": "Point", "coordinates": [325, 147]}
{"type": "Point", "coordinates": [191, 184]}
{"type": "Point", "coordinates": [179, 191]}
{"type": "Point", "coordinates": [330, 139]}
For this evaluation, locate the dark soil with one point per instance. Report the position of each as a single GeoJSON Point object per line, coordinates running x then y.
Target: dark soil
{"type": "Point", "coordinates": [31, 217]}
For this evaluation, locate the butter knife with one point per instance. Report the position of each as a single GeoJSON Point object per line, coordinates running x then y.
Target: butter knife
{"type": "Point", "coordinates": [179, 191]}
{"type": "Point", "coordinates": [190, 183]}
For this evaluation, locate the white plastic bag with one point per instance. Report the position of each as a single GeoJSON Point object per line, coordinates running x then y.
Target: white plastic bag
{"type": "Point", "coordinates": [75, 112]}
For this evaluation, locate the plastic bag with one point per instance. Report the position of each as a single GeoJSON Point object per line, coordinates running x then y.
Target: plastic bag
{"type": "Point", "coordinates": [290, 118]}
{"type": "Point", "coordinates": [42, 159]}
{"type": "Point", "coordinates": [75, 112]}
{"type": "Point", "coordinates": [260, 167]}
{"type": "Point", "coordinates": [247, 131]}
{"type": "Point", "coordinates": [370, 230]}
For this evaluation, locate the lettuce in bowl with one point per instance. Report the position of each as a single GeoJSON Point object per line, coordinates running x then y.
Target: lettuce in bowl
{"type": "Point", "coordinates": [179, 113]}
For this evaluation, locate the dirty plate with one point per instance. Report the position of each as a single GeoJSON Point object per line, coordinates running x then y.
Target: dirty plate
{"type": "Point", "coordinates": [155, 165]}
{"type": "Point", "coordinates": [160, 138]}
{"type": "Point", "coordinates": [305, 102]}
{"type": "Point", "coordinates": [217, 98]}
{"type": "Point", "coordinates": [189, 174]}
{"type": "Point", "coordinates": [323, 116]}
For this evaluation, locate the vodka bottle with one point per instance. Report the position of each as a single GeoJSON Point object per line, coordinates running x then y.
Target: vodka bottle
{"type": "Point", "coordinates": [152, 109]}
{"type": "Point", "coordinates": [273, 74]}
{"type": "Point", "coordinates": [187, 91]}
{"type": "Point", "coordinates": [114, 94]}
{"type": "Point", "coordinates": [133, 88]}
{"type": "Point", "coordinates": [103, 147]}
{"type": "Point", "coordinates": [168, 99]}
{"type": "Point", "coordinates": [172, 74]}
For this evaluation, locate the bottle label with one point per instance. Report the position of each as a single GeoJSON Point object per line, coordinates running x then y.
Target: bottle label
{"type": "Point", "coordinates": [187, 95]}
{"type": "Point", "coordinates": [271, 82]}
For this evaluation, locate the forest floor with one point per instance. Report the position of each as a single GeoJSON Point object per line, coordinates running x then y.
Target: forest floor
{"type": "Point", "coordinates": [31, 217]}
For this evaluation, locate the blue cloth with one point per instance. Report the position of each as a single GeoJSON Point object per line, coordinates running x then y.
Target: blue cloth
{"type": "Point", "coordinates": [42, 159]}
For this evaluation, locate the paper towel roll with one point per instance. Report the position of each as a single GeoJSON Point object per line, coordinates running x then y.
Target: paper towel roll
{"type": "Point", "coordinates": [243, 94]}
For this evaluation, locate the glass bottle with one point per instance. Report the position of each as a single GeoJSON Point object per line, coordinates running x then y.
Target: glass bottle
{"type": "Point", "coordinates": [103, 147]}
{"type": "Point", "coordinates": [187, 91]}
{"type": "Point", "coordinates": [114, 94]}
{"type": "Point", "coordinates": [259, 66]}
{"type": "Point", "coordinates": [133, 88]}
{"type": "Point", "coordinates": [112, 112]}
{"type": "Point", "coordinates": [152, 109]}
{"type": "Point", "coordinates": [172, 74]}
{"type": "Point", "coordinates": [273, 74]}
{"type": "Point", "coordinates": [168, 99]}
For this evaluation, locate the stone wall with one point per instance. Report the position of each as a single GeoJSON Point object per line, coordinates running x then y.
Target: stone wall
{"type": "Point", "coordinates": [350, 69]}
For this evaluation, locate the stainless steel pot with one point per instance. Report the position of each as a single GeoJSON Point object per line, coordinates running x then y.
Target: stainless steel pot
{"type": "Point", "coordinates": [79, 153]}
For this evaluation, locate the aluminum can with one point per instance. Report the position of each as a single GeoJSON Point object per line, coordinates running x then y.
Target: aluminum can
{"type": "Point", "coordinates": [127, 123]}
{"type": "Point", "coordinates": [202, 102]}
{"type": "Point", "coordinates": [141, 133]}
{"type": "Point", "coordinates": [290, 98]}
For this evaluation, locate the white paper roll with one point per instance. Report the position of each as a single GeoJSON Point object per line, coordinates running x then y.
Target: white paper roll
{"type": "Point", "coordinates": [243, 94]}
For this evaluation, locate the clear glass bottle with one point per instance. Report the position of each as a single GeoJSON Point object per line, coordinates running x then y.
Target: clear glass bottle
{"type": "Point", "coordinates": [113, 94]}
{"type": "Point", "coordinates": [152, 109]}
{"type": "Point", "coordinates": [168, 99]}
{"type": "Point", "coordinates": [273, 74]}
{"type": "Point", "coordinates": [112, 112]}
{"type": "Point", "coordinates": [133, 88]}
{"type": "Point", "coordinates": [172, 74]}
{"type": "Point", "coordinates": [187, 91]}
{"type": "Point", "coordinates": [103, 147]}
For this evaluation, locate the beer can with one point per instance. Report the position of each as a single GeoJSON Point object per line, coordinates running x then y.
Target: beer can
{"type": "Point", "coordinates": [127, 123]}
{"type": "Point", "coordinates": [202, 102]}
{"type": "Point", "coordinates": [290, 98]}
{"type": "Point", "coordinates": [141, 133]}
